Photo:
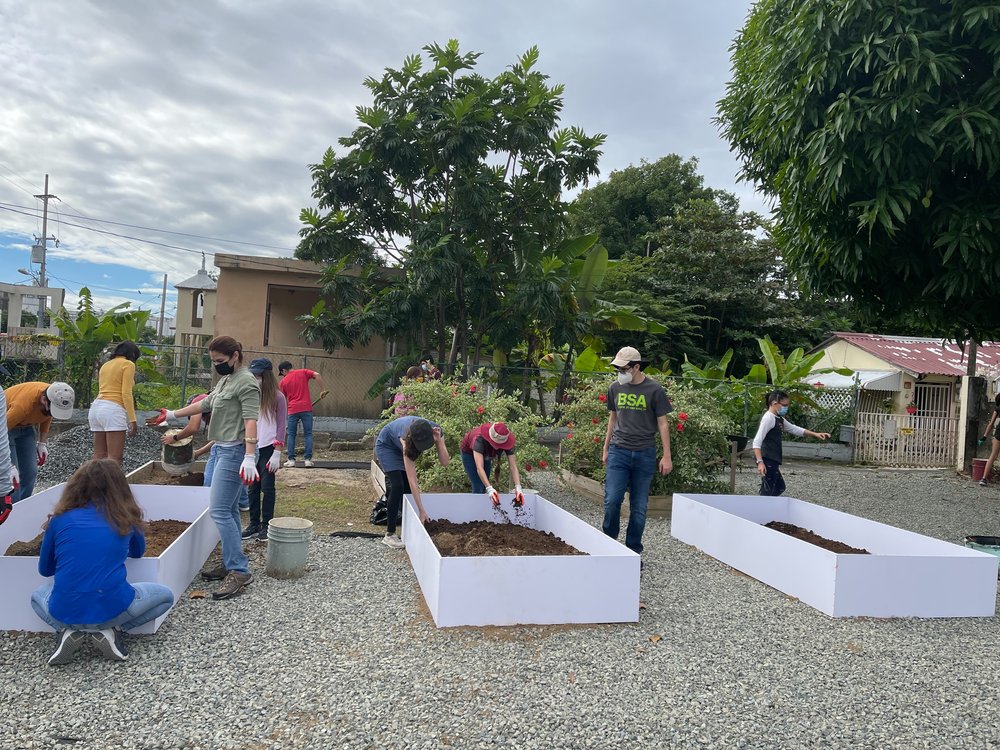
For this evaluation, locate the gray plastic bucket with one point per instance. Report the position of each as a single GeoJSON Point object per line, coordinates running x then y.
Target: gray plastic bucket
{"type": "Point", "coordinates": [287, 546]}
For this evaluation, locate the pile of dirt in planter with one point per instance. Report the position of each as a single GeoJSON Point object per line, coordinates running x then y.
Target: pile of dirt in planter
{"type": "Point", "coordinates": [807, 536]}
{"type": "Point", "coordinates": [159, 536]}
{"type": "Point", "coordinates": [488, 539]}
{"type": "Point", "coordinates": [195, 479]}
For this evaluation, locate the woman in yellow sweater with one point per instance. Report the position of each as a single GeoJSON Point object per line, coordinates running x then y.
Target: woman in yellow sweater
{"type": "Point", "coordinates": [113, 412]}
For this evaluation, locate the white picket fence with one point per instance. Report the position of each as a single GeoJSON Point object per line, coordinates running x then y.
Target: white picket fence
{"type": "Point", "coordinates": [905, 440]}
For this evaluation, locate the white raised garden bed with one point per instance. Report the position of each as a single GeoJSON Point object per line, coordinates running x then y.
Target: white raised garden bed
{"type": "Point", "coordinates": [906, 574]}
{"type": "Point", "coordinates": [600, 586]}
{"type": "Point", "coordinates": [175, 567]}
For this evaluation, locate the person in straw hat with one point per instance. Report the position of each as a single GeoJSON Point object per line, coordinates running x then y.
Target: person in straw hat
{"type": "Point", "coordinates": [479, 447]}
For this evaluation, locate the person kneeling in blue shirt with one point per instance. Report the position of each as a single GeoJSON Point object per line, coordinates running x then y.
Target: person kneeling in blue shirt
{"type": "Point", "coordinates": [95, 525]}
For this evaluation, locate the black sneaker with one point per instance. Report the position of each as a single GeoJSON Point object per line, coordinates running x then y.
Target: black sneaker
{"type": "Point", "coordinates": [214, 574]}
{"type": "Point", "coordinates": [262, 534]}
{"type": "Point", "coordinates": [68, 642]}
{"type": "Point", "coordinates": [251, 530]}
{"type": "Point", "coordinates": [111, 643]}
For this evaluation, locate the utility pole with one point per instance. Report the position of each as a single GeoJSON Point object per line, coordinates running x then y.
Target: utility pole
{"type": "Point", "coordinates": [163, 306]}
{"type": "Point", "coordinates": [43, 245]}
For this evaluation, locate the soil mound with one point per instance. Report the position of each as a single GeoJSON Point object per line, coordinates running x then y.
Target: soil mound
{"type": "Point", "coordinates": [488, 539]}
{"type": "Point", "coordinates": [159, 536]}
{"type": "Point", "coordinates": [807, 536]}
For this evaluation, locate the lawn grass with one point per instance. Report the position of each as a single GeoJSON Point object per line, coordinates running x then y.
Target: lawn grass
{"type": "Point", "coordinates": [332, 502]}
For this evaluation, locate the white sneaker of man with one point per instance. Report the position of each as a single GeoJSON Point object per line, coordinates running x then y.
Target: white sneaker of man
{"type": "Point", "coordinates": [391, 540]}
{"type": "Point", "coordinates": [290, 463]}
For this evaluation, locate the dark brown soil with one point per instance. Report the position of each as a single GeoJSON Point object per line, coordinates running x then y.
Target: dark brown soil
{"type": "Point", "coordinates": [159, 536]}
{"type": "Point", "coordinates": [487, 539]}
{"type": "Point", "coordinates": [807, 536]}
{"type": "Point", "coordinates": [195, 479]}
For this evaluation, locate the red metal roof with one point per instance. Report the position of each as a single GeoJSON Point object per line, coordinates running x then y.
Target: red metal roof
{"type": "Point", "coordinates": [925, 356]}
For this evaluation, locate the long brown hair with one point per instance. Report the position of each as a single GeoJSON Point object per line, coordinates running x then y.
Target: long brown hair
{"type": "Point", "coordinates": [102, 483]}
{"type": "Point", "coordinates": [269, 395]}
{"type": "Point", "coordinates": [226, 345]}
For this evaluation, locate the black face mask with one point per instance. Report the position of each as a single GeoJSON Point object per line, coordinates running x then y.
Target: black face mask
{"type": "Point", "coordinates": [224, 368]}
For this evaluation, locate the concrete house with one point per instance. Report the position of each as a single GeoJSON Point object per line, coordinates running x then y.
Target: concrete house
{"type": "Point", "coordinates": [194, 324]}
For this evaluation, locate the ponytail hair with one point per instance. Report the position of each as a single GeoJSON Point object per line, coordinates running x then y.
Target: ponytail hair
{"type": "Point", "coordinates": [226, 345]}
{"type": "Point", "coordinates": [773, 397]}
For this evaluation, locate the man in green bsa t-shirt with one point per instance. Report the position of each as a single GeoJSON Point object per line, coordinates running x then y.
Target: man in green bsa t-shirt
{"type": "Point", "coordinates": [638, 408]}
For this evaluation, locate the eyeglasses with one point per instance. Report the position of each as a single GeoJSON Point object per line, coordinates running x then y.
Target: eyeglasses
{"type": "Point", "coordinates": [626, 368]}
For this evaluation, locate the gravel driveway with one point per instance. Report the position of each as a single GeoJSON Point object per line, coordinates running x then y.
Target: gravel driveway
{"type": "Point", "coordinates": [348, 657]}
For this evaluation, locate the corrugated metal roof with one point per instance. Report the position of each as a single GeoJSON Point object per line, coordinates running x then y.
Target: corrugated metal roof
{"type": "Point", "coordinates": [925, 356]}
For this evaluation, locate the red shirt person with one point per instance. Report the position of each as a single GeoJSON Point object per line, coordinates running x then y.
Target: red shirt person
{"type": "Point", "coordinates": [295, 385]}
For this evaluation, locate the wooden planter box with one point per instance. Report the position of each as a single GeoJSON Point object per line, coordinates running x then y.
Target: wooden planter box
{"type": "Point", "coordinates": [174, 568]}
{"type": "Point", "coordinates": [600, 586]}
{"type": "Point", "coordinates": [659, 505]}
{"type": "Point", "coordinates": [907, 574]}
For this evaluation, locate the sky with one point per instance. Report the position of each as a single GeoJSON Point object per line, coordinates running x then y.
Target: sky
{"type": "Point", "coordinates": [195, 121]}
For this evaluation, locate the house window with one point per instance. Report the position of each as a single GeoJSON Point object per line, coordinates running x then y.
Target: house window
{"type": "Point", "coordinates": [197, 309]}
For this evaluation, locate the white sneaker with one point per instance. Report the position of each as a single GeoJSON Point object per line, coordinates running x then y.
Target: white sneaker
{"type": "Point", "coordinates": [290, 463]}
{"type": "Point", "coordinates": [390, 540]}
{"type": "Point", "coordinates": [68, 643]}
{"type": "Point", "coordinates": [111, 643]}
{"type": "Point", "coordinates": [309, 464]}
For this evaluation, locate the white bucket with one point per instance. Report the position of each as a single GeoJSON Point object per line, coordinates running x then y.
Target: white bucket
{"type": "Point", "coordinates": [287, 546]}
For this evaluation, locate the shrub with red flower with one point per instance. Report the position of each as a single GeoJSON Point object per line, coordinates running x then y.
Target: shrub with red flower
{"type": "Point", "coordinates": [602, 398]}
{"type": "Point", "coordinates": [480, 410]}
{"type": "Point", "coordinates": [472, 389]}
{"type": "Point", "coordinates": [680, 427]}
{"type": "Point", "coordinates": [527, 467]}
{"type": "Point", "coordinates": [682, 416]}
{"type": "Point", "coordinates": [543, 464]}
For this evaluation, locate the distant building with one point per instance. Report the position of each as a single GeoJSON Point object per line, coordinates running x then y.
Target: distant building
{"type": "Point", "coordinates": [25, 312]}
{"type": "Point", "coordinates": [194, 324]}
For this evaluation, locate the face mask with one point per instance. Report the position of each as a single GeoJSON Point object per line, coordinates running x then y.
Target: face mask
{"type": "Point", "coordinates": [783, 411]}
{"type": "Point", "coordinates": [424, 367]}
{"type": "Point", "coordinates": [224, 368]}
{"type": "Point", "coordinates": [624, 378]}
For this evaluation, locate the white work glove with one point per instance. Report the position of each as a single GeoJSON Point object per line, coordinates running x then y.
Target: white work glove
{"type": "Point", "coordinates": [42, 451]}
{"type": "Point", "coordinates": [248, 470]}
{"type": "Point", "coordinates": [518, 496]}
{"type": "Point", "coordinates": [493, 495]}
{"type": "Point", "coordinates": [14, 477]}
{"type": "Point", "coordinates": [274, 461]}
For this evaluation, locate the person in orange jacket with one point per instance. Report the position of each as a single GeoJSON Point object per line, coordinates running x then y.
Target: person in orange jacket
{"type": "Point", "coordinates": [31, 405]}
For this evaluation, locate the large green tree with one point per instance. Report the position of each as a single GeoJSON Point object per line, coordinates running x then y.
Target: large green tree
{"type": "Point", "coordinates": [876, 124]}
{"type": "Point", "coordinates": [448, 202]}
{"type": "Point", "coordinates": [627, 208]}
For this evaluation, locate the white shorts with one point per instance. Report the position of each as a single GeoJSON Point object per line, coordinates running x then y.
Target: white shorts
{"type": "Point", "coordinates": [107, 416]}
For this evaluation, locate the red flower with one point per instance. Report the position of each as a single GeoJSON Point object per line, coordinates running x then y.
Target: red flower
{"type": "Point", "coordinates": [472, 389]}
{"type": "Point", "coordinates": [527, 467]}
{"type": "Point", "coordinates": [682, 416]}
{"type": "Point", "coordinates": [543, 464]}
{"type": "Point", "coordinates": [680, 427]}
{"type": "Point", "coordinates": [569, 436]}
{"type": "Point", "coordinates": [595, 420]}
{"type": "Point", "coordinates": [602, 398]}
{"type": "Point", "coordinates": [597, 440]}
{"type": "Point", "coordinates": [480, 409]}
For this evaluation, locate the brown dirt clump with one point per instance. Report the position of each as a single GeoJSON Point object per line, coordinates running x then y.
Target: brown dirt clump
{"type": "Point", "coordinates": [807, 536]}
{"type": "Point", "coordinates": [159, 536]}
{"type": "Point", "coordinates": [195, 479]}
{"type": "Point", "coordinates": [488, 539]}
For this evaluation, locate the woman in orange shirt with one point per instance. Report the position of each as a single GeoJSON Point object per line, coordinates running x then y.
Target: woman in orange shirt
{"type": "Point", "coordinates": [113, 412]}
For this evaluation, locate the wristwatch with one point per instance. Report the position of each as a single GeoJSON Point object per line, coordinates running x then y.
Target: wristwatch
{"type": "Point", "coordinates": [759, 460]}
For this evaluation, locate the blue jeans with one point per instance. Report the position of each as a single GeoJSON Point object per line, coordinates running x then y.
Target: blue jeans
{"type": "Point", "coordinates": [306, 418]}
{"type": "Point", "coordinates": [22, 442]}
{"type": "Point", "coordinates": [151, 601]}
{"type": "Point", "coordinates": [210, 472]}
{"type": "Point", "coordinates": [469, 462]}
{"type": "Point", "coordinates": [224, 504]}
{"type": "Point", "coordinates": [632, 471]}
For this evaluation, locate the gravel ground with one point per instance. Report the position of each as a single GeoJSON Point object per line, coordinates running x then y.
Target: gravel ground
{"type": "Point", "coordinates": [347, 657]}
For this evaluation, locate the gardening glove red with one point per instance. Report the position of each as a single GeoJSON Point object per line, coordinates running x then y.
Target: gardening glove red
{"type": "Point", "coordinates": [42, 451]}
{"type": "Point", "coordinates": [248, 469]}
{"type": "Point", "coordinates": [165, 415]}
{"type": "Point", "coordinates": [6, 506]}
{"type": "Point", "coordinates": [274, 461]}
{"type": "Point", "coordinates": [518, 501]}
{"type": "Point", "coordinates": [493, 495]}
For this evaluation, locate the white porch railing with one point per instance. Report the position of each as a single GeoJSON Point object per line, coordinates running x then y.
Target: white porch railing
{"type": "Point", "coordinates": [905, 440]}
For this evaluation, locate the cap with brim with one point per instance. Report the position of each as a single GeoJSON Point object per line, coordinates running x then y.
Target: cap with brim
{"type": "Point", "coordinates": [420, 435]}
{"type": "Point", "coordinates": [61, 399]}
{"type": "Point", "coordinates": [260, 365]}
{"type": "Point", "coordinates": [626, 355]}
{"type": "Point", "coordinates": [498, 435]}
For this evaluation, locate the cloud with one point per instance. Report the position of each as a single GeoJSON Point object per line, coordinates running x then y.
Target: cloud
{"type": "Point", "coordinates": [203, 117]}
